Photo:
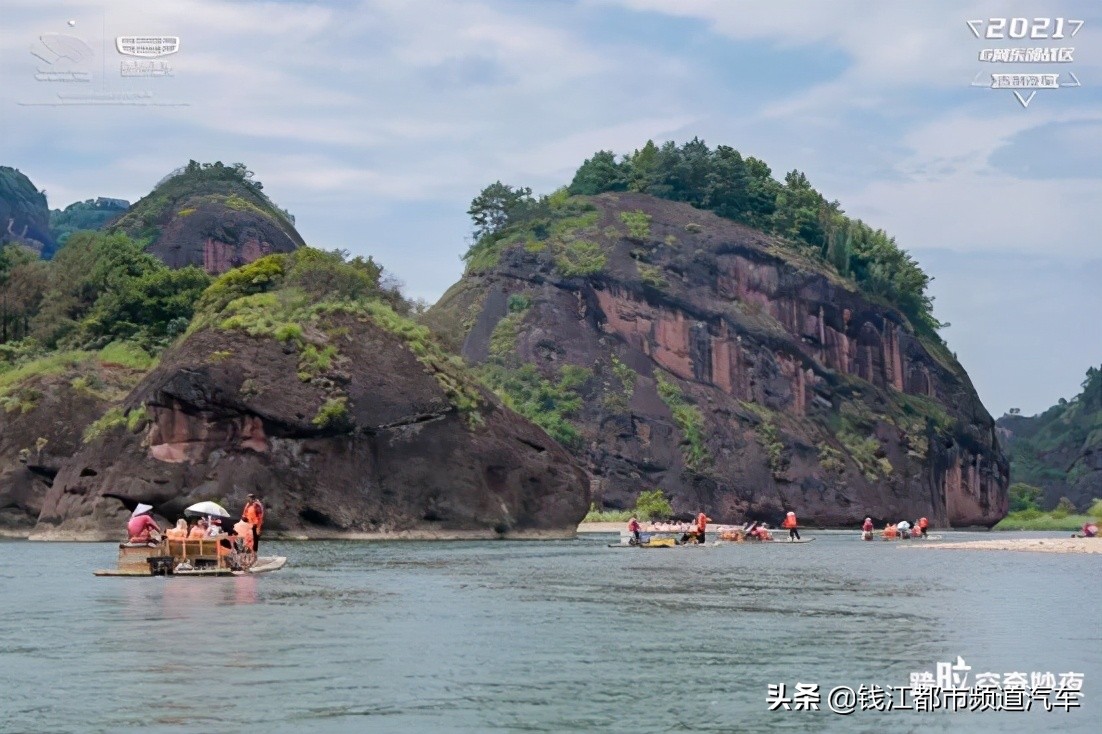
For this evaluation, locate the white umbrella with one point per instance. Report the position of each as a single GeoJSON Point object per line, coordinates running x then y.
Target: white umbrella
{"type": "Point", "coordinates": [212, 509]}
{"type": "Point", "coordinates": [141, 509]}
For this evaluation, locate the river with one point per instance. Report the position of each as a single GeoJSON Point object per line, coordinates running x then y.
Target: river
{"type": "Point", "coordinates": [567, 636]}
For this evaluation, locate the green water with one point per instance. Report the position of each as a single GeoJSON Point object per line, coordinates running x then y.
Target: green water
{"type": "Point", "coordinates": [539, 637]}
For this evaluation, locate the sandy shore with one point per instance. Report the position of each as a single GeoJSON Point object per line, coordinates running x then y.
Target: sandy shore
{"type": "Point", "coordinates": [602, 527]}
{"type": "Point", "coordinates": [1036, 545]}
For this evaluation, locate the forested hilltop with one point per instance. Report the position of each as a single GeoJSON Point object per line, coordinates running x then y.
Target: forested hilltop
{"type": "Point", "coordinates": [681, 320]}
{"type": "Point", "coordinates": [210, 215]}
{"type": "Point", "coordinates": [1059, 452]}
{"type": "Point", "coordinates": [743, 189]}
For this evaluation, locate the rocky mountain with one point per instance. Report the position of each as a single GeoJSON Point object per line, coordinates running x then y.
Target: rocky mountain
{"type": "Point", "coordinates": [24, 216]}
{"type": "Point", "coordinates": [1060, 450]}
{"type": "Point", "coordinates": [298, 382]}
{"type": "Point", "coordinates": [669, 347]}
{"type": "Point", "coordinates": [47, 405]}
{"type": "Point", "coordinates": [91, 214]}
{"type": "Point", "coordinates": [210, 215]}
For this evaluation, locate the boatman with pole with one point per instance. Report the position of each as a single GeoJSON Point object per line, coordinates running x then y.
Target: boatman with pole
{"type": "Point", "coordinates": [791, 525]}
{"type": "Point", "coordinates": [254, 515]}
{"type": "Point", "coordinates": [633, 528]}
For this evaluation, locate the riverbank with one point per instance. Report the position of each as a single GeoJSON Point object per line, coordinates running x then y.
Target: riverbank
{"type": "Point", "coordinates": [602, 527]}
{"type": "Point", "coordinates": [95, 536]}
{"type": "Point", "coordinates": [1036, 545]}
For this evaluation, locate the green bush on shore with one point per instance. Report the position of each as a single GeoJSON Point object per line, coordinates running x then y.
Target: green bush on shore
{"type": "Point", "coordinates": [649, 505]}
{"type": "Point", "coordinates": [1033, 519]}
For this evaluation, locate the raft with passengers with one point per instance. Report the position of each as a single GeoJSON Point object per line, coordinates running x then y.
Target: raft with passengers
{"type": "Point", "coordinates": [695, 534]}
{"type": "Point", "coordinates": [200, 548]}
{"type": "Point", "coordinates": [901, 530]}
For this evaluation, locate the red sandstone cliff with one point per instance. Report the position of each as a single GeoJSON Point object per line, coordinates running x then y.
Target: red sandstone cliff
{"type": "Point", "coordinates": [810, 395]}
{"type": "Point", "coordinates": [227, 413]}
{"type": "Point", "coordinates": [212, 216]}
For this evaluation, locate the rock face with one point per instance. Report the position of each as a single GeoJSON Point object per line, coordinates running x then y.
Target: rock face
{"type": "Point", "coordinates": [226, 413]}
{"type": "Point", "coordinates": [209, 217]}
{"type": "Point", "coordinates": [41, 425]}
{"type": "Point", "coordinates": [735, 376]}
{"type": "Point", "coordinates": [24, 216]}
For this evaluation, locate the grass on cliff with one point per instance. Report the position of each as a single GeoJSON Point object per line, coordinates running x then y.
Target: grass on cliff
{"type": "Point", "coordinates": [290, 297]}
{"type": "Point", "coordinates": [689, 419]}
{"type": "Point", "coordinates": [548, 404]}
{"type": "Point", "coordinates": [560, 225]}
{"type": "Point", "coordinates": [84, 370]}
{"type": "Point", "coordinates": [620, 390]}
{"type": "Point", "coordinates": [769, 437]}
{"type": "Point", "coordinates": [117, 417]}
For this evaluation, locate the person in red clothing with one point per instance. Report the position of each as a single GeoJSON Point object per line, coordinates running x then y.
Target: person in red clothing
{"type": "Point", "coordinates": [254, 515]}
{"type": "Point", "coordinates": [702, 521]}
{"type": "Point", "coordinates": [141, 527]}
{"type": "Point", "coordinates": [791, 525]}
{"type": "Point", "coordinates": [923, 523]}
{"type": "Point", "coordinates": [866, 529]}
{"type": "Point", "coordinates": [633, 528]}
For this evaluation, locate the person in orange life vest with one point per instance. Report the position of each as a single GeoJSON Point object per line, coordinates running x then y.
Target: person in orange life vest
{"type": "Point", "coordinates": [198, 530]}
{"type": "Point", "coordinates": [244, 530]}
{"type": "Point", "coordinates": [889, 531]}
{"type": "Point", "coordinates": [923, 523]}
{"type": "Point", "coordinates": [179, 532]}
{"type": "Point", "coordinates": [791, 524]}
{"type": "Point", "coordinates": [140, 527]}
{"type": "Point", "coordinates": [702, 521]}
{"type": "Point", "coordinates": [254, 515]}
{"type": "Point", "coordinates": [633, 528]}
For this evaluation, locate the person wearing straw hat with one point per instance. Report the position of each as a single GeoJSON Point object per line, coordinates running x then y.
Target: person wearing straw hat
{"type": "Point", "coordinates": [141, 527]}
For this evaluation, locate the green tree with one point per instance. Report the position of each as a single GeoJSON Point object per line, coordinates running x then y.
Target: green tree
{"type": "Point", "coordinates": [652, 504]}
{"type": "Point", "coordinates": [642, 168]}
{"type": "Point", "coordinates": [1024, 497]}
{"type": "Point", "coordinates": [599, 173]}
{"type": "Point", "coordinates": [727, 191]}
{"type": "Point", "coordinates": [495, 206]}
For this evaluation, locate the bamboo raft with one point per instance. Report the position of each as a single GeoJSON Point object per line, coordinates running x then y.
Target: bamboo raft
{"type": "Point", "coordinates": [192, 557]}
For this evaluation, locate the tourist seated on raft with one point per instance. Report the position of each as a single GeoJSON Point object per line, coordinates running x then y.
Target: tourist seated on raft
{"type": "Point", "coordinates": [215, 528]}
{"type": "Point", "coordinates": [143, 529]}
{"type": "Point", "coordinates": [904, 529]}
{"type": "Point", "coordinates": [1090, 530]}
{"type": "Point", "coordinates": [244, 530]}
{"type": "Point", "coordinates": [198, 530]}
{"type": "Point", "coordinates": [179, 531]}
{"type": "Point", "coordinates": [890, 532]}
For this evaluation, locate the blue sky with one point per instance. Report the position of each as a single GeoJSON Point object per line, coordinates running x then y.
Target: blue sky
{"type": "Point", "coordinates": [376, 122]}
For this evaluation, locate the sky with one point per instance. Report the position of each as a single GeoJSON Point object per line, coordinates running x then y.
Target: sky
{"type": "Point", "coordinates": [376, 122]}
